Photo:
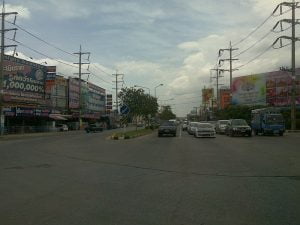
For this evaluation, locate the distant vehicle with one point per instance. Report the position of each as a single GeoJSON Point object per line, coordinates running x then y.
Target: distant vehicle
{"type": "Point", "coordinates": [174, 121]}
{"type": "Point", "coordinates": [93, 128]}
{"type": "Point", "coordinates": [205, 130]}
{"type": "Point", "coordinates": [63, 127]}
{"type": "Point", "coordinates": [238, 127]}
{"type": "Point", "coordinates": [184, 125]}
{"type": "Point", "coordinates": [167, 127]}
{"type": "Point", "coordinates": [267, 121]}
{"type": "Point", "coordinates": [192, 127]}
{"type": "Point", "coordinates": [221, 126]}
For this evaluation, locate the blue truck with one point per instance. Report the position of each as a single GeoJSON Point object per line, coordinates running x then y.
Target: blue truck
{"type": "Point", "coordinates": [267, 121]}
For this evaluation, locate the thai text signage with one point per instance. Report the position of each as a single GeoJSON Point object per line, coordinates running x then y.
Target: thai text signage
{"type": "Point", "coordinates": [23, 81]}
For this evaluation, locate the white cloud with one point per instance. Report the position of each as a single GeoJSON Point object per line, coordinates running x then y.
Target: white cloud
{"type": "Point", "coordinates": [22, 11]}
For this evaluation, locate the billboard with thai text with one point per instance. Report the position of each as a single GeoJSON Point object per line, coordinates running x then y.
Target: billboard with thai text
{"type": "Point", "coordinates": [23, 81]}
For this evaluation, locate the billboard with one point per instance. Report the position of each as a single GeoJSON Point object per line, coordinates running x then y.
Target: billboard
{"type": "Point", "coordinates": [272, 89]}
{"type": "Point", "coordinates": [109, 103]}
{"type": "Point", "coordinates": [279, 89]}
{"type": "Point", "coordinates": [23, 81]}
{"type": "Point", "coordinates": [225, 98]}
{"type": "Point", "coordinates": [207, 95]}
{"type": "Point", "coordinates": [56, 92]}
{"type": "Point", "coordinates": [249, 90]}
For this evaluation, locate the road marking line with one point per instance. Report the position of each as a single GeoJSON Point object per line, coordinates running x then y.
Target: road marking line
{"type": "Point", "coordinates": [180, 129]}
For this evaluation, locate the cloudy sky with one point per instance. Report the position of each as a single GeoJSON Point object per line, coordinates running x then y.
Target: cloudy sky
{"type": "Point", "coordinates": [173, 42]}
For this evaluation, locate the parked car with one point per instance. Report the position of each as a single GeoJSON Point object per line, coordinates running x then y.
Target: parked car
{"type": "Point", "coordinates": [167, 127]}
{"type": "Point", "coordinates": [205, 130]}
{"type": "Point", "coordinates": [192, 127]}
{"type": "Point", "coordinates": [221, 126]}
{"type": "Point", "coordinates": [62, 127]}
{"type": "Point", "coordinates": [238, 127]}
{"type": "Point", "coordinates": [93, 128]}
{"type": "Point", "coordinates": [184, 125]}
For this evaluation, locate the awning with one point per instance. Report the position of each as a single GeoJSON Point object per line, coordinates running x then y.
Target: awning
{"type": "Point", "coordinates": [57, 117]}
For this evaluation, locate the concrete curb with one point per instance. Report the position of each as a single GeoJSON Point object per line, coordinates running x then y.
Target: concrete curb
{"type": "Point", "coordinates": [112, 137]}
{"type": "Point", "coordinates": [293, 131]}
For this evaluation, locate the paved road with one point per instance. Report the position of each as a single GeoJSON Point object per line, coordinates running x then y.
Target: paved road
{"type": "Point", "coordinates": [85, 179]}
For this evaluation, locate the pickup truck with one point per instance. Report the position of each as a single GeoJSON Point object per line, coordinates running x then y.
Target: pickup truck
{"type": "Point", "coordinates": [267, 121]}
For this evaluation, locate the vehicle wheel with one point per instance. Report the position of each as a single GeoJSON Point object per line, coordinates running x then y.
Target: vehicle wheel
{"type": "Point", "coordinates": [174, 135]}
{"type": "Point", "coordinates": [281, 134]}
{"type": "Point", "coordinates": [250, 134]}
{"type": "Point", "coordinates": [159, 135]}
{"type": "Point", "coordinates": [231, 134]}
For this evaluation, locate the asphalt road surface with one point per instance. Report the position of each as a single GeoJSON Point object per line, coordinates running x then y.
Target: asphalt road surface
{"type": "Point", "coordinates": [86, 179]}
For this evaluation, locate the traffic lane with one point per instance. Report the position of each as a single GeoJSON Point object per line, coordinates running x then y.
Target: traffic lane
{"type": "Point", "coordinates": [136, 169]}
{"type": "Point", "coordinates": [75, 191]}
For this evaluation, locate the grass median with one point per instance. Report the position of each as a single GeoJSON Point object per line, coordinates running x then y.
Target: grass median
{"type": "Point", "coordinates": [131, 134]}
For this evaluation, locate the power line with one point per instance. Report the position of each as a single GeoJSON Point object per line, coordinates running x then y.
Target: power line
{"type": "Point", "coordinates": [52, 45]}
{"type": "Point", "coordinates": [256, 57]}
{"type": "Point", "coordinates": [40, 39]}
{"type": "Point", "coordinates": [101, 70]}
{"type": "Point", "coordinates": [40, 53]}
{"type": "Point", "coordinates": [253, 31]}
{"type": "Point", "coordinates": [254, 44]}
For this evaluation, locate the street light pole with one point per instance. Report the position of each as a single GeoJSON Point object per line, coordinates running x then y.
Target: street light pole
{"type": "Point", "coordinates": [155, 89]}
{"type": "Point", "coordinates": [143, 87]}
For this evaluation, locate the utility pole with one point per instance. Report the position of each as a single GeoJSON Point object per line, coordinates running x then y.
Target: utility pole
{"type": "Point", "coordinates": [3, 46]}
{"type": "Point", "coordinates": [217, 77]}
{"type": "Point", "coordinates": [230, 50]}
{"type": "Point", "coordinates": [293, 5]}
{"type": "Point", "coordinates": [80, 63]}
{"type": "Point", "coordinates": [117, 81]}
{"type": "Point", "coordinates": [293, 103]}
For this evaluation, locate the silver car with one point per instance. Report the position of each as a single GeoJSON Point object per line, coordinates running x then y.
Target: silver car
{"type": "Point", "coordinates": [221, 126]}
{"type": "Point", "coordinates": [192, 127]}
{"type": "Point", "coordinates": [205, 130]}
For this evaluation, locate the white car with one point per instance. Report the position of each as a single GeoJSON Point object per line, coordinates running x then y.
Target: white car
{"type": "Point", "coordinates": [205, 130]}
{"type": "Point", "coordinates": [192, 127]}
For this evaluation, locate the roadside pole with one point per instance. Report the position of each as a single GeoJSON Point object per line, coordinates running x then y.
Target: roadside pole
{"type": "Point", "coordinates": [3, 46]}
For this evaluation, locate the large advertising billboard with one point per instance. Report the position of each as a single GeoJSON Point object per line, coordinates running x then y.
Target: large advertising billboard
{"type": "Point", "coordinates": [279, 89]}
{"type": "Point", "coordinates": [23, 81]}
{"type": "Point", "coordinates": [272, 89]}
{"type": "Point", "coordinates": [249, 90]}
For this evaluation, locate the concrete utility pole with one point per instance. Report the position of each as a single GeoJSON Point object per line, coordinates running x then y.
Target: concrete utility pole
{"type": "Point", "coordinates": [230, 50]}
{"type": "Point", "coordinates": [117, 81]}
{"type": "Point", "coordinates": [217, 77]}
{"type": "Point", "coordinates": [293, 5]}
{"type": "Point", "coordinates": [293, 103]}
{"type": "Point", "coordinates": [3, 46]}
{"type": "Point", "coordinates": [80, 63]}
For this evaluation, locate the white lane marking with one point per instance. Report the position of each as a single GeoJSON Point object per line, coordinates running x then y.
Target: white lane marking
{"type": "Point", "coordinates": [180, 130]}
